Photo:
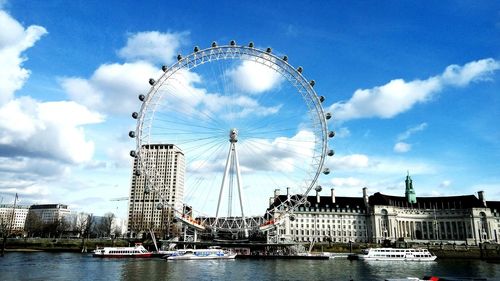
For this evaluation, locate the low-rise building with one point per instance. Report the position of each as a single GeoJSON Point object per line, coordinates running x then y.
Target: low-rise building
{"type": "Point", "coordinates": [49, 213]}
{"type": "Point", "coordinates": [19, 214]}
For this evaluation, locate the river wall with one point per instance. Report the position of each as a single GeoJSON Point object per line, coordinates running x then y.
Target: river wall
{"type": "Point", "coordinates": [482, 251]}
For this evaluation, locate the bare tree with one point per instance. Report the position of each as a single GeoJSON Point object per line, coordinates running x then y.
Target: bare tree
{"type": "Point", "coordinates": [107, 223]}
{"type": "Point", "coordinates": [5, 222]}
{"type": "Point", "coordinates": [84, 224]}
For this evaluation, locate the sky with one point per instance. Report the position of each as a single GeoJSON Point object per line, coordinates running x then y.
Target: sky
{"type": "Point", "coordinates": [412, 86]}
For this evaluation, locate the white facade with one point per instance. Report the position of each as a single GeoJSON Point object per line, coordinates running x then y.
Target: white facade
{"type": "Point", "coordinates": [49, 213]}
{"type": "Point", "coordinates": [145, 213]}
{"type": "Point", "coordinates": [324, 219]}
{"type": "Point", "coordinates": [380, 218]}
{"type": "Point", "coordinates": [20, 214]}
{"type": "Point", "coordinates": [472, 224]}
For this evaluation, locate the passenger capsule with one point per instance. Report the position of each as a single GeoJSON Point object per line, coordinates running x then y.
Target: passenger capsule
{"type": "Point", "coordinates": [131, 134]}
{"type": "Point", "coordinates": [164, 68]}
{"type": "Point", "coordinates": [232, 43]}
{"type": "Point", "coordinates": [312, 83]}
{"type": "Point", "coordinates": [142, 97]}
{"type": "Point", "coordinates": [299, 69]}
{"type": "Point", "coordinates": [285, 58]}
{"type": "Point", "coordinates": [214, 44]}
{"type": "Point", "coordinates": [135, 115]}
{"type": "Point", "coordinates": [268, 50]}
{"type": "Point", "coordinates": [147, 190]}
{"type": "Point", "coordinates": [159, 206]}
{"type": "Point", "coordinates": [250, 44]}
{"type": "Point", "coordinates": [318, 188]}
{"type": "Point", "coordinates": [196, 49]}
{"type": "Point", "coordinates": [179, 57]}
{"type": "Point", "coordinates": [132, 153]}
{"type": "Point", "coordinates": [331, 134]}
{"type": "Point", "coordinates": [292, 218]}
{"type": "Point", "coordinates": [137, 172]}
{"type": "Point", "coordinates": [328, 116]}
{"type": "Point", "coordinates": [321, 98]}
{"type": "Point", "coordinates": [330, 152]}
{"type": "Point", "coordinates": [151, 81]}
{"type": "Point", "coordinates": [326, 171]}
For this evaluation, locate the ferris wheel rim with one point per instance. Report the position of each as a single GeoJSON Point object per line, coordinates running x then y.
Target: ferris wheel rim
{"type": "Point", "coordinates": [238, 52]}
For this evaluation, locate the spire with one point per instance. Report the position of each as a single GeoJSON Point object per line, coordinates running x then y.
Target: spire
{"type": "Point", "coordinates": [409, 191]}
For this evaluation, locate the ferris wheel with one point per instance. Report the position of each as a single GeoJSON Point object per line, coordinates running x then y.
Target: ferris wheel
{"type": "Point", "coordinates": [247, 123]}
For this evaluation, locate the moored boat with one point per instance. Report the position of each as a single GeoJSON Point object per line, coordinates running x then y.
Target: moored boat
{"type": "Point", "coordinates": [138, 251]}
{"type": "Point", "coordinates": [200, 254]}
{"type": "Point", "coordinates": [396, 254]}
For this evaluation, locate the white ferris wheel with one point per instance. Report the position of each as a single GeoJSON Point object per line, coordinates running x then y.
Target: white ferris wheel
{"type": "Point", "coordinates": [247, 122]}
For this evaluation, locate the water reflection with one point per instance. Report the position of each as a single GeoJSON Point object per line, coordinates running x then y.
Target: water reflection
{"type": "Point", "coordinates": [72, 266]}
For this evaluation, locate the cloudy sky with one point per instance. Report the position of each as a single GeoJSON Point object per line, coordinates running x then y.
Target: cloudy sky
{"type": "Point", "coordinates": [412, 87]}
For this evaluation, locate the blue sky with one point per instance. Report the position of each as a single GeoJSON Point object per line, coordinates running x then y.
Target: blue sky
{"type": "Point", "coordinates": [413, 86]}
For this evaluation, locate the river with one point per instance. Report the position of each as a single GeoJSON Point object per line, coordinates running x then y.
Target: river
{"type": "Point", "coordinates": [73, 266]}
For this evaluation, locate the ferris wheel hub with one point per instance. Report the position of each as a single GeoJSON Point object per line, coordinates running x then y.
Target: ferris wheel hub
{"type": "Point", "coordinates": [233, 135]}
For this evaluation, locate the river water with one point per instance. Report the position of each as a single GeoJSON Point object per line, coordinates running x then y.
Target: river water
{"type": "Point", "coordinates": [73, 266]}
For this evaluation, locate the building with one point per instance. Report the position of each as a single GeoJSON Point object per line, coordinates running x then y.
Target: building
{"type": "Point", "coordinates": [323, 218]}
{"type": "Point", "coordinates": [379, 218]}
{"type": "Point", "coordinates": [20, 214]}
{"type": "Point", "coordinates": [49, 213]}
{"type": "Point", "coordinates": [152, 207]}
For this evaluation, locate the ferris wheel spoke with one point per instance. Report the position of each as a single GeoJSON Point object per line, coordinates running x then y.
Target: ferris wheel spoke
{"type": "Point", "coordinates": [276, 125]}
{"type": "Point", "coordinates": [257, 150]}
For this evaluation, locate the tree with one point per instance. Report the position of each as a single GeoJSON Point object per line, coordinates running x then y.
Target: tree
{"type": "Point", "coordinates": [84, 224]}
{"type": "Point", "coordinates": [4, 230]}
{"type": "Point", "coordinates": [105, 226]}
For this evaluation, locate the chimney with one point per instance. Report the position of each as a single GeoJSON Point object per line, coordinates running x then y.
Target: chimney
{"type": "Point", "coordinates": [271, 201]}
{"type": "Point", "coordinates": [317, 196]}
{"type": "Point", "coordinates": [480, 194]}
{"type": "Point", "coordinates": [333, 195]}
{"type": "Point", "coordinates": [276, 193]}
{"type": "Point", "coordinates": [288, 192]}
{"type": "Point", "coordinates": [365, 195]}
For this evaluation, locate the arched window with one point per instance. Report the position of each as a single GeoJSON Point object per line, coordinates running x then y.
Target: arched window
{"type": "Point", "coordinates": [483, 226]}
{"type": "Point", "coordinates": [384, 223]}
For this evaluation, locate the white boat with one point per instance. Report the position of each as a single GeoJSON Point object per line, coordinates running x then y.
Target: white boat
{"type": "Point", "coordinates": [395, 254]}
{"type": "Point", "coordinates": [201, 254]}
{"type": "Point", "coordinates": [138, 251]}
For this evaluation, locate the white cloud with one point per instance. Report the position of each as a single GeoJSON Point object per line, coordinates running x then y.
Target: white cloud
{"type": "Point", "coordinates": [120, 154]}
{"type": "Point", "coordinates": [254, 78]}
{"type": "Point", "coordinates": [112, 88]}
{"type": "Point", "coordinates": [398, 96]}
{"type": "Point", "coordinates": [473, 71]}
{"type": "Point", "coordinates": [153, 46]}
{"type": "Point", "coordinates": [378, 166]}
{"type": "Point", "coordinates": [348, 182]}
{"type": "Point", "coordinates": [281, 154]}
{"type": "Point", "coordinates": [445, 183]}
{"type": "Point", "coordinates": [402, 147]}
{"type": "Point", "coordinates": [183, 95]}
{"type": "Point", "coordinates": [342, 132]}
{"type": "Point", "coordinates": [352, 161]}
{"type": "Point", "coordinates": [408, 133]}
{"type": "Point", "coordinates": [14, 40]}
{"type": "Point", "coordinates": [52, 129]}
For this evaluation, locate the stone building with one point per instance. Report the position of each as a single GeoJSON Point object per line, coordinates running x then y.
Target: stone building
{"type": "Point", "coordinates": [465, 219]}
